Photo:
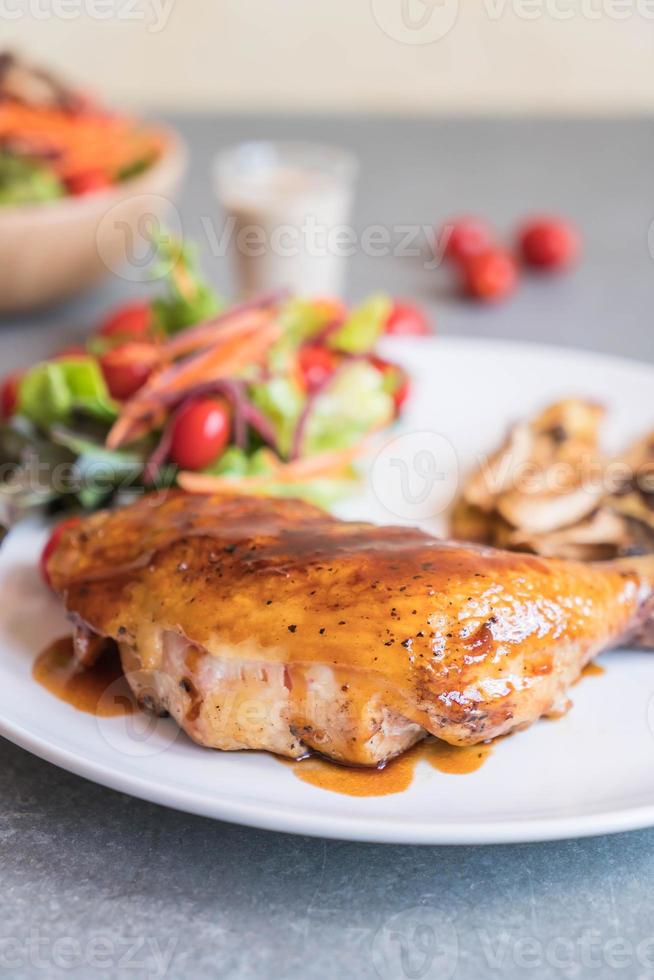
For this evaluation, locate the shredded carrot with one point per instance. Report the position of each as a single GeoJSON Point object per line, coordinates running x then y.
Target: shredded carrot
{"type": "Point", "coordinates": [324, 464]}
{"type": "Point", "coordinates": [219, 330]}
{"type": "Point", "coordinates": [332, 464]}
{"type": "Point", "coordinates": [81, 142]}
{"type": "Point", "coordinates": [225, 360]}
{"type": "Point", "coordinates": [201, 483]}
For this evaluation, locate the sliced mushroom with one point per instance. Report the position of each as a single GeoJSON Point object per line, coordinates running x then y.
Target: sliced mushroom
{"type": "Point", "coordinates": [538, 480]}
{"type": "Point", "coordinates": [548, 490]}
{"type": "Point", "coordinates": [597, 537]}
{"type": "Point", "coordinates": [497, 474]}
{"type": "Point", "coordinates": [549, 511]}
{"type": "Point", "coordinates": [470, 523]}
{"type": "Point", "coordinates": [632, 479]}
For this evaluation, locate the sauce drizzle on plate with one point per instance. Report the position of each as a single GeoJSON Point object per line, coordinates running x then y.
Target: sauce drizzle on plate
{"type": "Point", "coordinates": [98, 690]}
{"type": "Point", "coordinates": [592, 670]}
{"type": "Point", "coordinates": [102, 690]}
{"type": "Point", "coordinates": [395, 777]}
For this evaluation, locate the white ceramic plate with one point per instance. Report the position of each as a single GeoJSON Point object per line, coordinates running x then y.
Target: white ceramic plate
{"type": "Point", "coordinates": [591, 772]}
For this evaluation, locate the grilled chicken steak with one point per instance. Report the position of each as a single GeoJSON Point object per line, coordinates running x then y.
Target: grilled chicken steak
{"type": "Point", "coordinates": [268, 624]}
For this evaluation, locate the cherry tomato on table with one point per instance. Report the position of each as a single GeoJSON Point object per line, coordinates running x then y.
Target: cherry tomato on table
{"type": "Point", "coordinates": [317, 364]}
{"type": "Point", "coordinates": [9, 394]}
{"type": "Point", "coordinates": [127, 368]}
{"type": "Point", "coordinates": [407, 319]}
{"type": "Point", "coordinates": [51, 545]}
{"type": "Point", "coordinates": [465, 237]}
{"type": "Point", "coordinates": [549, 243]}
{"type": "Point", "coordinates": [133, 321]}
{"type": "Point", "coordinates": [491, 276]}
{"type": "Point", "coordinates": [200, 433]}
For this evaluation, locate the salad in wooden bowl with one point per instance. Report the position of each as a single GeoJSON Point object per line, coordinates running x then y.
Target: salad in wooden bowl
{"type": "Point", "coordinates": [66, 162]}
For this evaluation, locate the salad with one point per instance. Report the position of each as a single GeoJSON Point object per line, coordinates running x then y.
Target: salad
{"type": "Point", "coordinates": [276, 396]}
{"type": "Point", "coordinates": [55, 142]}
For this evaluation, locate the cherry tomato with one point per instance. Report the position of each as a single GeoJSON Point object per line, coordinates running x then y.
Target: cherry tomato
{"type": "Point", "coordinates": [133, 321]}
{"type": "Point", "coordinates": [51, 546]}
{"type": "Point", "coordinates": [402, 385]}
{"type": "Point", "coordinates": [491, 276]}
{"type": "Point", "coordinates": [9, 394]}
{"type": "Point", "coordinates": [87, 182]}
{"type": "Point", "coordinates": [127, 368]}
{"type": "Point", "coordinates": [466, 237]}
{"type": "Point", "coordinates": [317, 364]}
{"type": "Point", "coordinates": [549, 243]}
{"type": "Point", "coordinates": [200, 433]}
{"type": "Point", "coordinates": [407, 319]}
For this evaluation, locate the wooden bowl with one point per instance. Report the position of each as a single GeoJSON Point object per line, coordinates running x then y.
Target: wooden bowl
{"type": "Point", "coordinates": [53, 250]}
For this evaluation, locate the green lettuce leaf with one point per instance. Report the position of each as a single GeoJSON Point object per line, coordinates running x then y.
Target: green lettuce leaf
{"type": "Point", "coordinates": [281, 401]}
{"type": "Point", "coordinates": [27, 181]}
{"type": "Point", "coordinates": [323, 491]}
{"type": "Point", "coordinates": [363, 327]}
{"type": "Point", "coordinates": [94, 455]}
{"type": "Point", "coordinates": [233, 462]}
{"type": "Point", "coordinates": [175, 313]}
{"type": "Point", "coordinates": [51, 391]}
{"type": "Point", "coordinates": [36, 473]}
{"type": "Point", "coordinates": [237, 462]}
{"type": "Point", "coordinates": [301, 319]}
{"type": "Point", "coordinates": [189, 299]}
{"type": "Point", "coordinates": [353, 404]}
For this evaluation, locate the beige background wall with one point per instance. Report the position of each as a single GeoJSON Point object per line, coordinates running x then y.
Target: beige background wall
{"type": "Point", "coordinates": [442, 55]}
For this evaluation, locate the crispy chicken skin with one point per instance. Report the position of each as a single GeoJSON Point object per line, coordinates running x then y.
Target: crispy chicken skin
{"type": "Point", "coordinates": [268, 624]}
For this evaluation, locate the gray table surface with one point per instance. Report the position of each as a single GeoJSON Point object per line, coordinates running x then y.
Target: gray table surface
{"type": "Point", "coordinates": [96, 883]}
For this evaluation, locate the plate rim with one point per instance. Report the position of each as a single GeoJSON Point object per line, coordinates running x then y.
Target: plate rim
{"type": "Point", "coordinates": [333, 827]}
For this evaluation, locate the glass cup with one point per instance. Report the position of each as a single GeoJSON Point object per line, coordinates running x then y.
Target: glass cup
{"type": "Point", "coordinates": [287, 207]}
